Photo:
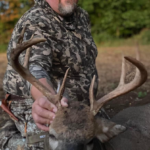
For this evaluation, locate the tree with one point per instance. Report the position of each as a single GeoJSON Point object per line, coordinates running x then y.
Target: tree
{"type": "Point", "coordinates": [117, 18]}
{"type": "Point", "coordinates": [10, 12]}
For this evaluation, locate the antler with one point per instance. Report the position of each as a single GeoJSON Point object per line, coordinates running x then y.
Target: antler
{"type": "Point", "coordinates": [25, 73]}
{"type": "Point", "coordinates": [140, 78]}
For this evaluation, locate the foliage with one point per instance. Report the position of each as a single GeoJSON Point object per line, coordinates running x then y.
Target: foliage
{"type": "Point", "coordinates": [142, 94]}
{"type": "Point", "coordinates": [117, 18]}
{"type": "Point", "coordinates": [3, 48]}
{"type": "Point", "coordinates": [10, 12]}
{"type": "Point", "coordinates": [110, 19]}
{"type": "Point", "coordinates": [145, 36]}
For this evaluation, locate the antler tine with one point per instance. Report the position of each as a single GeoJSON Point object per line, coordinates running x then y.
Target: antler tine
{"type": "Point", "coordinates": [21, 35]}
{"type": "Point", "coordinates": [26, 59]}
{"type": "Point", "coordinates": [123, 72]}
{"type": "Point", "coordinates": [27, 56]}
{"type": "Point", "coordinates": [24, 72]}
{"type": "Point", "coordinates": [91, 95]}
{"type": "Point", "coordinates": [140, 78]}
{"type": "Point", "coordinates": [137, 51]}
{"type": "Point", "coordinates": [61, 90]}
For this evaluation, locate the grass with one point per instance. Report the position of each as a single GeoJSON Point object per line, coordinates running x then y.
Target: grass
{"type": "Point", "coordinates": [3, 48]}
{"type": "Point", "coordinates": [117, 43]}
{"type": "Point", "coordinates": [122, 42]}
{"type": "Point", "coordinates": [142, 38]}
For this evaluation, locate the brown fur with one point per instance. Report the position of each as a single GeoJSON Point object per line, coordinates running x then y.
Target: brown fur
{"type": "Point", "coordinates": [74, 123]}
{"type": "Point", "coordinates": [77, 125]}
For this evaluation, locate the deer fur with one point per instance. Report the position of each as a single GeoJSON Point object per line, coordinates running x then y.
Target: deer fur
{"type": "Point", "coordinates": [74, 127]}
{"type": "Point", "coordinates": [137, 134]}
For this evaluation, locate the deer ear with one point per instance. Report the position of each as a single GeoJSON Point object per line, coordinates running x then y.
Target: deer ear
{"type": "Point", "coordinates": [105, 129]}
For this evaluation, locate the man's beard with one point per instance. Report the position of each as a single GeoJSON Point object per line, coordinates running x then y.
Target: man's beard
{"type": "Point", "coordinates": [67, 9]}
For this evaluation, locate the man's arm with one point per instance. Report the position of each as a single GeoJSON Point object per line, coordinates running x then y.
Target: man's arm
{"type": "Point", "coordinates": [40, 64]}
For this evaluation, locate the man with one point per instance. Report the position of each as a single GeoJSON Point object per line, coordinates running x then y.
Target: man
{"type": "Point", "coordinates": [69, 44]}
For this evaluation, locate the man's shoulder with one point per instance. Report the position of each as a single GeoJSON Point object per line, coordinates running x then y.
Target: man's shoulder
{"type": "Point", "coordinates": [83, 12]}
{"type": "Point", "coordinates": [34, 16]}
{"type": "Point", "coordinates": [84, 15]}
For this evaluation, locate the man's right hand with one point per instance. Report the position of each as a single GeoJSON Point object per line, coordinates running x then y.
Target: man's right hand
{"type": "Point", "coordinates": [43, 112]}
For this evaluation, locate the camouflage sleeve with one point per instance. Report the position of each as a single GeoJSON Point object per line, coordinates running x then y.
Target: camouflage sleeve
{"type": "Point", "coordinates": [38, 72]}
{"type": "Point", "coordinates": [87, 20]}
{"type": "Point", "coordinates": [40, 61]}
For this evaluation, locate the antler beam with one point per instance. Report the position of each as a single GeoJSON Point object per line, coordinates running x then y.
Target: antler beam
{"type": "Point", "coordinates": [140, 78]}
{"type": "Point", "coordinates": [25, 73]}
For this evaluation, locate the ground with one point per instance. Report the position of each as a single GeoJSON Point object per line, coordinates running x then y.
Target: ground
{"type": "Point", "coordinates": [109, 68]}
{"type": "Point", "coordinates": [3, 64]}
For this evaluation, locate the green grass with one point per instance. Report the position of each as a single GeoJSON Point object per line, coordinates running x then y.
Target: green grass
{"type": "Point", "coordinates": [143, 39]}
{"type": "Point", "coordinates": [3, 48]}
{"type": "Point", "coordinates": [117, 43]}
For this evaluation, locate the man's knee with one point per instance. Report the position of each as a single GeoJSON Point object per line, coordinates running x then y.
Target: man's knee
{"type": "Point", "coordinates": [7, 130]}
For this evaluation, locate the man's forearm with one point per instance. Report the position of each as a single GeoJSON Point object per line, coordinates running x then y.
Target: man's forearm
{"type": "Point", "coordinates": [37, 94]}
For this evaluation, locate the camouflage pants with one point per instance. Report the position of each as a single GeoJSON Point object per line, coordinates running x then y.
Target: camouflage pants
{"type": "Point", "coordinates": [12, 134]}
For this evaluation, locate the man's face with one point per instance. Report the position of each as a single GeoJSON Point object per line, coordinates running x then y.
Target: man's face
{"type": "Point", "coordinates": [63, 7]}
{"type": "Point", "coordinates": [67, 7]}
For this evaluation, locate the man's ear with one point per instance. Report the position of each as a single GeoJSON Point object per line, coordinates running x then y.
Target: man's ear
{"type": "Point", "coordinates": [105, 129]}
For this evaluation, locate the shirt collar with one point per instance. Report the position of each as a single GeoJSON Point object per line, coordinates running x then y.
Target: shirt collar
{"type": "Point", "coordinates": [40, 2]}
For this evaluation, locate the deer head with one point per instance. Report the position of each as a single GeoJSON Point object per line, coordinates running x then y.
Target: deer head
{"type": "Point", "coordinates": [75, 126]}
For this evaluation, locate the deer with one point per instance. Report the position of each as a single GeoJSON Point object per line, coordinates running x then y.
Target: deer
{"type": "Point", "coordinates": [75, 127]}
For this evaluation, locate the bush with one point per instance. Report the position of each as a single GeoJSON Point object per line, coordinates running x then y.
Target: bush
{"type": "Point", "coordinates": [145, 36]}
{"type": "Point", "coordinates": [117, 18]}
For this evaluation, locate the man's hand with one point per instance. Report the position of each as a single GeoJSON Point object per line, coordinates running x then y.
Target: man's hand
{"type": "Point", "coordinates": [43, 112]}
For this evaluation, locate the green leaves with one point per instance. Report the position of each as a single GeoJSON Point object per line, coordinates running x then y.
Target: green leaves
{"type": "Point", "coordinates": [117, 18]}
{"type": "Point", "coordinates": [10, 12]}
{"type": "Point", "coordinates": [142, 94]}
{"type": "Point", "coordinates": [110, 19]}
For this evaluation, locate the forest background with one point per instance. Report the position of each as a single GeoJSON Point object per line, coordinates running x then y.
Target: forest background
{"type": "Point", "coordinates": [111, 20]}
{"type": "Point", "coordinates": [116, 25]}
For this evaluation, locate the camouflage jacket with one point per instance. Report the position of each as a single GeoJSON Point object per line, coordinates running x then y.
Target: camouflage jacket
{"type": "Point", "coordinates": [68, 44]}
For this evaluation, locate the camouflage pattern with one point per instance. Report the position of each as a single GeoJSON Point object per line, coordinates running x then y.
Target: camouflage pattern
{"type": "Point", "coordinates": [13, 133]}
{"type": "Point", "coordinates": [69, 44]}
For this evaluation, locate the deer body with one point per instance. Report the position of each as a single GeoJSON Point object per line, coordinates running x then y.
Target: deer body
{"type": "Point", "coordinates": [74, 128]}
{"type": "Point", "coordinates": [137, 134]}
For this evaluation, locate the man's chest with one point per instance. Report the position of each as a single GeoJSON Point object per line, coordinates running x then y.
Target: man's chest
{"type": "Point", "coordinates": [75, 49]}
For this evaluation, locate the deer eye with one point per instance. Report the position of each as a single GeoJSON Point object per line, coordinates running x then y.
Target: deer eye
{"type": "Point", "coordinates": [90, 141]}
{"type": "Point", "coordinates": [52, 137]}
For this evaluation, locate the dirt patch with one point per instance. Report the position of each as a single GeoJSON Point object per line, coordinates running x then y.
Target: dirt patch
{"type": "Point", "coordinates": [3, 64]}
{"type": "Point", "coordinates": [109, 67]}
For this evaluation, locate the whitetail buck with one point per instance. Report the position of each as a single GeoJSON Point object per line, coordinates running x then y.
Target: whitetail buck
{"type": "Point", "coordinates": [74, 127]}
